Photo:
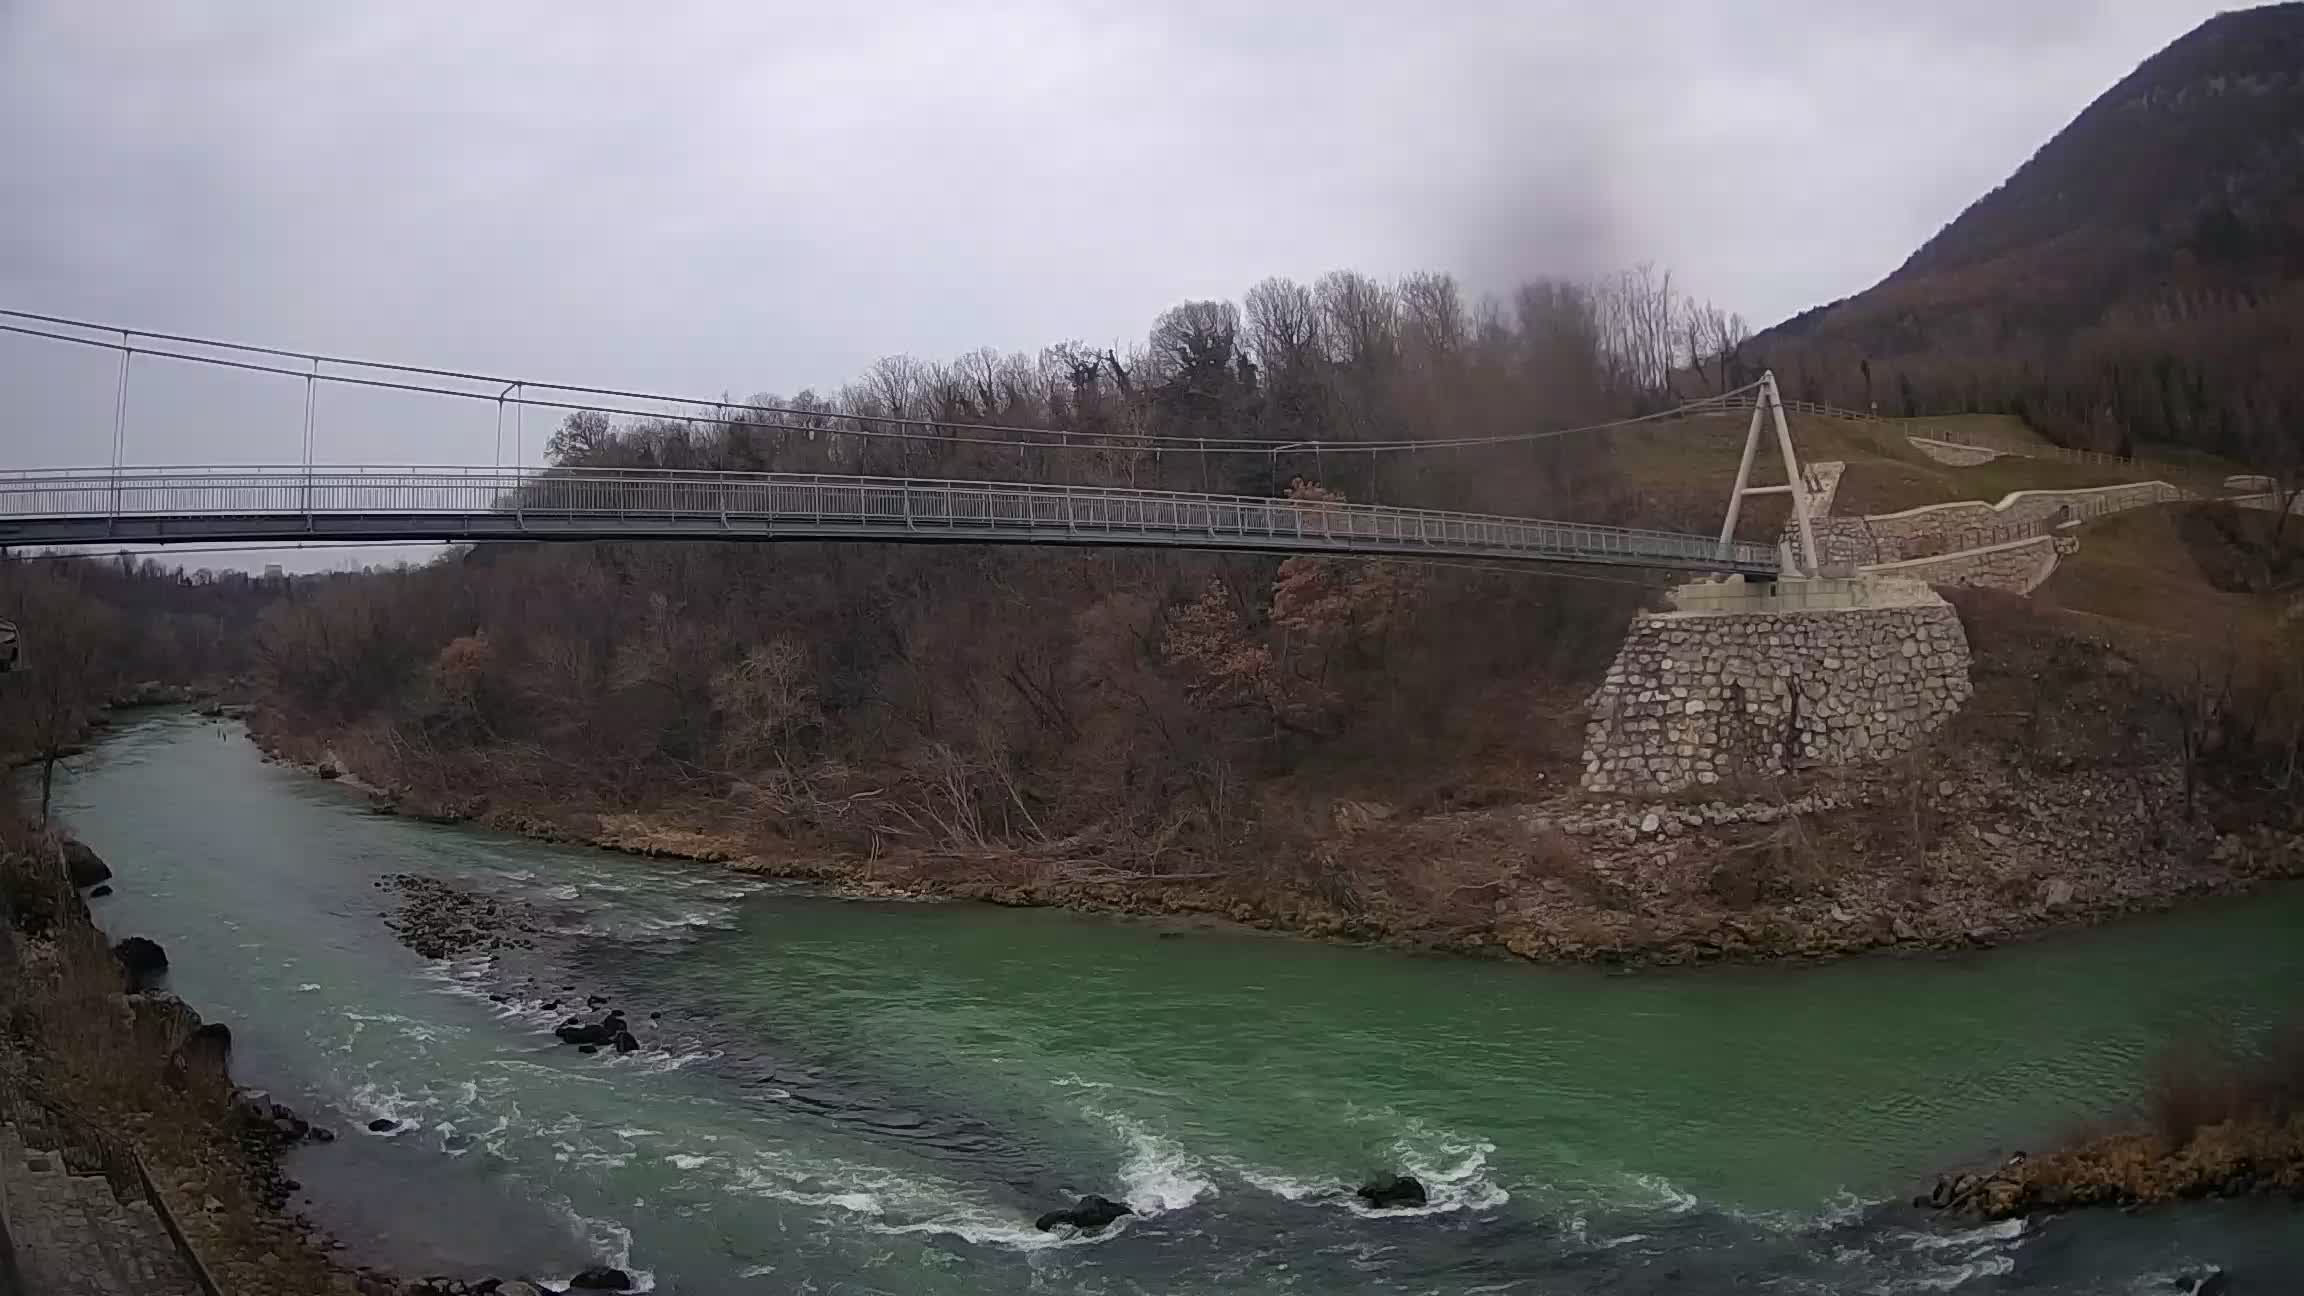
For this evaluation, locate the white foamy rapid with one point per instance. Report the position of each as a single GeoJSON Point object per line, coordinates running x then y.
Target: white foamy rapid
{"type": "Point", "coordinates": [1453, 1168]}
{"type": "Point", "coordinates": [1933, 1262]}
{"type": "Point", "coordinates": [1158, 1175]}
{"type": "Point", "coordinates": [610, 1244]}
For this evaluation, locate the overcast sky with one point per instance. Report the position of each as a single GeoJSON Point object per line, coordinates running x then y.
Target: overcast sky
{"type": "Point", "coordinates": [745, 195]}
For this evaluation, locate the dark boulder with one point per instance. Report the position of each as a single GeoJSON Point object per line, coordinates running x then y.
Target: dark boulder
{"type": "Point", "coordinates": [601, 1278]}
{"type": "Point", "coordinates": [204, 1057]}
{"type": "Point", "coordinates": [383, 1125]}
{"type": "Point", "coordinates": [1093, 1213]}
{"type": "Point", "coordinates": [84, 865]}
{"type": "Point", "coordinates": [142, 960]}
{"type": "Point", "coordinates": [328, 770]}
{"type": "Point", "coordinates": [574, 1032]}
{"type": "Point", "coordinates": [1392, 1192]}
{"type": "Point", "coordinates": [625, 1043]}
{"type": "Point", "coordinates": [253, 1106]}
{"type": "Point", "coordinates": [99, 891]}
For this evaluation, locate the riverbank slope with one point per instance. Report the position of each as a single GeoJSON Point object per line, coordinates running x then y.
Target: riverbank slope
{"type": "Point", "coordinates": [2073, 788]}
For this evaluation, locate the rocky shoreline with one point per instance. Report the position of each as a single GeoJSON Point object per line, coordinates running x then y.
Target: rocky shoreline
{"type": "Point", "coordinates": [442, 920]}
{"type": "Point", "coordinates": [2240, 1158]}
{"type": "Point", "coordinates": [214, 1150]}
{"type": "Point", "coordinates": [1582, 879]}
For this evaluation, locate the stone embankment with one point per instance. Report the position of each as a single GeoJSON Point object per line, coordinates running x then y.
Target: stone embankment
{"type": "Point", "coordinates": [1698, 697]}
{"type": "Point", "coordinates": [2017, 567]}
{"type": "Point", "coordinates": [2010, 546]}
{"type": "Point", "coordinates": [1941, 528]}
{"type": "Point", "coordinates": [73, 1236]}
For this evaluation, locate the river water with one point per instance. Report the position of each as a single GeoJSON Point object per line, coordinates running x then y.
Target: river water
{"type": "Point", "coordinates": [878, 1098]}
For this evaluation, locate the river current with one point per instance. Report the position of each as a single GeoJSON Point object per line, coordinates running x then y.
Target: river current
{"type": "Point", "coordinates": [848, 1097]}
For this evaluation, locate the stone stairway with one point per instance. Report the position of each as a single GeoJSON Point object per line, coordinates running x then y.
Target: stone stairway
{"type": "Point", "coordinates": [73, 1237]}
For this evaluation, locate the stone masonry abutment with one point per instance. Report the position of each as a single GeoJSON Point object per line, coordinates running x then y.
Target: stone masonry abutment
{"type": "Point", "coordinates": [1755, 680]}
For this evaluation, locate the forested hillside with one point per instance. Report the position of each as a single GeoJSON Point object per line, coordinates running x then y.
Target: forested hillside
{"type": "Point", "coordinates": [96, 630]}
{"type": "Point", "coordinates": [2139, 282]}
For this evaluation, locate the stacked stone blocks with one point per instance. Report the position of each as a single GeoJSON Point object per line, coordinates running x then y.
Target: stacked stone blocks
{"type": "Point", "coordinates": [1698, 698]}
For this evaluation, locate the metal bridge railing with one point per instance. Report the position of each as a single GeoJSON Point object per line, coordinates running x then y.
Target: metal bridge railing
{"type": "Point", "coordinates": [610, 501]}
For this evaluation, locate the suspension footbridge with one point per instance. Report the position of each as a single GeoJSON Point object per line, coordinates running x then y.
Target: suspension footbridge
{"type": "Point", "coordinates": [127, 504]}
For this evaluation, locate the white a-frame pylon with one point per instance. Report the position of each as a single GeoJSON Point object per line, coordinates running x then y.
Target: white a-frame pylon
{"type": "Point", "coordinates": [1768, 405]}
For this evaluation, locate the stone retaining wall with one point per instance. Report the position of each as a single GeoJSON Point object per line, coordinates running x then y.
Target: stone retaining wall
{"type": "Point", "coordinates": [2018, 567]}
{"type": "Point", "coordinates": [1846, 540]}
{"type": "Point", "coordinates": [1942, 526]}
{"type": "Point", "coordinates": [2269, 502]}
{"type": "Point", "coordinates": [1698, 697]}
{"type": "Point", "coordinates": [1823, 480]}
{"type": "Point", "coordinates": [1832, 534]}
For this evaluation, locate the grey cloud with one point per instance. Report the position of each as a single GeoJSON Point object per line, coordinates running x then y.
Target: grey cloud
{"type": "Point", "coordinates": [742, 196]}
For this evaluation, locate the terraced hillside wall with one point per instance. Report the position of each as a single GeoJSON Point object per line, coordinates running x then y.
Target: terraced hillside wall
{"type": "Point", "coordinates": [2017, 567]}
{"type": "Point", "coordinates": [1940, 528]}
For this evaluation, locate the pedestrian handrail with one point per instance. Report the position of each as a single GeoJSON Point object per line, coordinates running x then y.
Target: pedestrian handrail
{"type": "Point", "coordinates": [60, 506]}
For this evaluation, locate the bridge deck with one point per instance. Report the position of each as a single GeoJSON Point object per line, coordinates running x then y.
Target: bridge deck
{"type": "Point", "coordinates": [184, 504]}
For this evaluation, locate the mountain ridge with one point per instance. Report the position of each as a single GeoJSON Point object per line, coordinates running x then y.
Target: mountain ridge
{"type": "Point", "coordinates": [2135, 281]}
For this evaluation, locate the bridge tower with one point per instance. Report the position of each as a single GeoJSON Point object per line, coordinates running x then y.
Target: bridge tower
{"type": "Point", "coordinates": [1768, 405]}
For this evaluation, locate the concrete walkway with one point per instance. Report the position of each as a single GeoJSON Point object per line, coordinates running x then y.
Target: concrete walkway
{"type": "Point", "coordinates": [74, 1238]}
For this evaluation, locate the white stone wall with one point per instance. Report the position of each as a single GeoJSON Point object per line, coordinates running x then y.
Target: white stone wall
{"type": "Point", "coordinates": [1698, 697]}
{"type": "Point", "coordinates": [1958, 456]}
{"type": "Point", "coordinates": [2270, 502]}
{"type": "Point", "coordinates": [1823, 479]}
{"type": "Point", "coordinates": [1843, 540]}
{"type": "Point", "coordinates": [1846, 540]}
{"type": "Point", "coordinates": [1941, 527]}
{"type": "Point", "coordinates": [2019, 567]}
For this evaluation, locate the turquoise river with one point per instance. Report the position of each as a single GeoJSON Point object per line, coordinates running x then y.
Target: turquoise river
{"type": "Point", "coordinates": [848, 1097]}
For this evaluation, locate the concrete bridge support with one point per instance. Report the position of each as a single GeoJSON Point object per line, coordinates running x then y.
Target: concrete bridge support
{"type": "Point", "coordinates": [1754, 680]}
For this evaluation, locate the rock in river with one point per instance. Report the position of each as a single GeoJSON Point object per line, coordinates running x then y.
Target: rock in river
{"type": "Point", "coordinates": [86, 867]}
{"type": "Point", "coordinates": [1091, 1214]}
{"type": "Point", "coordinates": [142, 960]}
{"type": "Point", "coordinates": [1392, 1192]}
{"type": "Point", "coordinates": [440, 919]}
{"type": "Point", "coordinates": [601, 1278]}
{"type": "Point", "coordinates": [575, 1032]}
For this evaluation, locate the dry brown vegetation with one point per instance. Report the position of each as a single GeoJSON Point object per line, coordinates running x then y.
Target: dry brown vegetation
{"type": "Point", "coordinates": [1112, 714]}
{"type": "Point", "coordinates": [2217, 1121]}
